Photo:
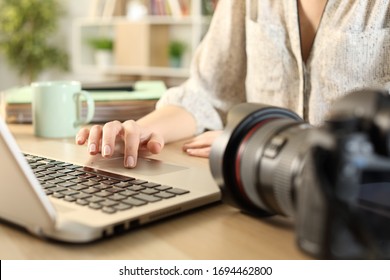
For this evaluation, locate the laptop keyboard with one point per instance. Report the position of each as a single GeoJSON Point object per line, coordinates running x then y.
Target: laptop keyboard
{"type": "Point", "coordinates": [97, 189]}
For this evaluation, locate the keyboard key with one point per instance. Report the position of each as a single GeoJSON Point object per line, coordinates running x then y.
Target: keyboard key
{"type": "Point", "coordinates": [82, 202]}
{"type": "Point", "coordinates": [128, 193]}
{"type": "Point", "coordinates": [117, 197]}
{"type": "Point", "coordinates": [47, 172]}
{"type": "Point", "coordinates": [81, 195]}
{"type": "Point", "coordinates": [56, 181]}
{"type": "Point", "coordinates": [109, 210]}
{"type": "Point", "coordinates": [58, 195]}
{"type": "Point", "coordinates": [138, 182]}
{"type": "Point", "coordinates": [68, 177]}
{"type": "Point", "coordinates": [72, 166]}
{"type": "Point", "coordinates": [110, 182]}
{"type": "Point", "coordinates": [66, 184]}
{"type": "Point", "coordinates": [35, 164]}
{"type": "Point", "coordinates": [177, 191]}
{"type": "Point", "coordinates": [56, 175]}
{"type": "Point", "coordinates": [64, 164]}
{"type": "Point", "coordinates": [98, 178]}
{"type": "Point", "coordinates": [87, 176]}
{"type": "Point", "coordinates": [90, 183]}
{"type": "Point", "coordinates": [133, 201]}
{"type": "Point", "coordinates": [122, 206]}
{"type": "Point", "coordinates": [48, 186]}
{"type": "Point", "coordinates": [165, 195]}
{"type": "Point", "coordinates": [136, 188]}
{"type": "Point", "coordinates": [150, 191]}
{"type": "Point", "coordinates": [114, 190]}
{"type": "Point", "coordinates": [79, 180]}
{"type": "Point", "coordinates": [90, 190]}
{"type": "Point", "coordinates": [98, 189]}
{"type": "Point", "coordinates": [56, 168]}
{"type": "Point", "coordinates": [123, 184]}
{"type": "Point", "coordinates": [150, 185]}
{"type": "Point", "coordinates": [70, 198]}
{"type": "Point", "coordinates": [103, 194]}
{"type": "Point", "coordinates": [102, 186]}
{"type": "Point", "coordinates": [108, 203]}
{"type": "Point", "coordinates": [69, 192]}
{"type": "Point", "coordinates": [163, 188]}
{"type": "Point", "coordinates": [95, 206]}
{"type": "Point", "coordinates": [94, 199]}
{"type": "Point", "coordinates": [58, 189]}
{"type": "Point", "coordinates": [146, 197]}
{"type": "Point", "coordinates": [76, 173]}
{"type": "Point", "coordinates": [65, 171]}
{"type": "Point", "coordinates": [79, 187]}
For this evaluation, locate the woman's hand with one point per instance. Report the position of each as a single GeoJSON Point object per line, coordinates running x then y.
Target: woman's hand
{"type": "Point", "coordinates": [200, 145]}
{"type": "Point", "coordinates": [103, 139]}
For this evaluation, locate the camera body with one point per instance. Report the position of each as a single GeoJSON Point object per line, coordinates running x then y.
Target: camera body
{"type": "Point", "coordinates": [333, 180]}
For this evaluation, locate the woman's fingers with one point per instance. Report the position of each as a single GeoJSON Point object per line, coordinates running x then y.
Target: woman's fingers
{"type": "Point", "coordinates": [82, 136]}
{"type": "Point", "coordinates": [201, 145]}
{"type": "Point", "coordinates": [95, 134]}
{"type": "Point", "coordinates": [110, 132]}
{"type": "Point", "coordinates": [199, 152]}
{"type": "Point", "coordinates": [155, 143]}
{"type": "Point", "coordinates": [132, 137]}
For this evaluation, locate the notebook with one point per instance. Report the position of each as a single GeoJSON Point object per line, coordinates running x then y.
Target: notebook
{"type": "Point", "coordinates": [46, 195]}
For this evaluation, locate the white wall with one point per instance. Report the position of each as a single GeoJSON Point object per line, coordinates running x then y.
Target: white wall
{"type": "Point", "coordinates": [74, 9]}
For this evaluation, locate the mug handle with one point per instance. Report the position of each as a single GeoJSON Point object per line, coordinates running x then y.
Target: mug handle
{"type": "Point", "coordinates": [90, 107]}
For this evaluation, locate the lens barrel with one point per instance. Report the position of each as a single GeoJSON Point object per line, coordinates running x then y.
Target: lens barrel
{"type": "Point", "coordinates": [331, 180]}
{"type": "Point", "coordinates": [251, 135]}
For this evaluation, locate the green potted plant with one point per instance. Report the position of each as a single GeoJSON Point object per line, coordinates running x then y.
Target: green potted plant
{"type": "Point", "coordinates": [26, 28]}
{"type": "Point", "coordinates": [103, 50]}
{"type": "Point", "coordinates": [176, 51]}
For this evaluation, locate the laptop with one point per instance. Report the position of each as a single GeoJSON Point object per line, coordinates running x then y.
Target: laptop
{"type": "Point", "coordinates": [56, 191]}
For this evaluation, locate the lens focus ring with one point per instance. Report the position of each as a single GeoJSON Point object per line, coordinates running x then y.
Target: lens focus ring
{"type": "Point", "coordinates": [288, 166]}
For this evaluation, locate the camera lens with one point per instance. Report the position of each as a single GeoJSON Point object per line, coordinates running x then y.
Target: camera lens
{"type": "Point", "coordinates": [331, 180]}
{"type": "Point", "coordinates": [257, 157]}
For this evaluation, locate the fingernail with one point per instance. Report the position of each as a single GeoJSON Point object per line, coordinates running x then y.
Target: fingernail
{"type": "Point", "coordinates": [130, 161]}
{"type": "Point", "coordinates": [92, 148]}
{"type": "Point", "coordinates": [79, 139]}
{"type": "Point", "coordinates": [106, 150]}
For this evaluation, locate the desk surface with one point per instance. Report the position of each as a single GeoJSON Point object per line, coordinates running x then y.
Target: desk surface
{"type": "Point", "coordinates": [213, 232]}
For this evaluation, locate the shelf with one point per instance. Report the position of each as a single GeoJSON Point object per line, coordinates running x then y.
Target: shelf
{"type": "Point", "coordinates": [148, 71]}
{"type": "Point", "coordinates": [169, 20]}
{"type": "Point", "coordinates": [141, 71]}
{"type": "Point", "coordinates": [141, 47]}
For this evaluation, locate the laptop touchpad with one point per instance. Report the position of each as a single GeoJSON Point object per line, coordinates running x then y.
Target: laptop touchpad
{"type": "Point", "coordinates": [145, 166]}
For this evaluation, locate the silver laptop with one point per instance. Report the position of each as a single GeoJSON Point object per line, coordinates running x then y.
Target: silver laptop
{"type": "Point", "coordinates": [56, 191]}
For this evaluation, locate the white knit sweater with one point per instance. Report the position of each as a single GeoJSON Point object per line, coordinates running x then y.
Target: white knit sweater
{"type": "Point", "coordinates": [252, 53]}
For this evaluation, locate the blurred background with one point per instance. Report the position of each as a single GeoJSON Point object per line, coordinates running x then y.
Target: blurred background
{"type": "Point", "coordinates": [100, 40]}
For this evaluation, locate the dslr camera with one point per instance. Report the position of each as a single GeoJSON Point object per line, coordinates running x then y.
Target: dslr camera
{"type": "Point", "coordinates": [332, 180]}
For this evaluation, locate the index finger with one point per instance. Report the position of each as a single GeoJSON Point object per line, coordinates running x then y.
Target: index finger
{"type": "Point", "coordinates": [110, 131]}
{"type": "Point", "coordinates": [82, 136]}
{"type": "Point", "coordinates": [131, 138]}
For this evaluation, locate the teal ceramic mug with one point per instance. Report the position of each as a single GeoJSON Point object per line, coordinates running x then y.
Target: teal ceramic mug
{"type": "Point", "coordinates": [56, 108]}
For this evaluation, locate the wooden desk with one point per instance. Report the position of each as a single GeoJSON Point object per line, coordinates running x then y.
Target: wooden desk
{"type": "Point", "coordinates": [212, 232]}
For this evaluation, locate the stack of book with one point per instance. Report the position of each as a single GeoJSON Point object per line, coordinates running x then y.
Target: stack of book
{"type": "Point", "coordinates": [110, 104]}
{"type": "Point", "coordinates": [179, 8]}
{"type": "Point", "coordinates": [136, 8]}
{"type": "Point", "coordinates": [176, 8]}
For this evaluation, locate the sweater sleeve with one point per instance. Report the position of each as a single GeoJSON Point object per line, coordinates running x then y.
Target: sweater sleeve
{"type": "Point", "coordinates": [218, 70]}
